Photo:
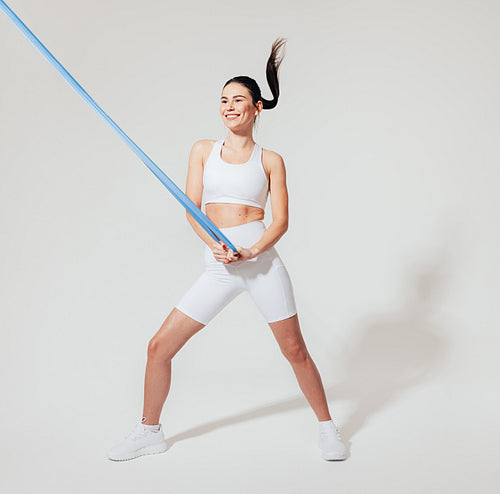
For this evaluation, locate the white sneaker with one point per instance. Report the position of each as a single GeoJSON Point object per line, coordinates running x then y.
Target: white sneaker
{"type": "Point", "coordinates": [140, 441]}
{"type": "Point", "coordinates": [330, 442]}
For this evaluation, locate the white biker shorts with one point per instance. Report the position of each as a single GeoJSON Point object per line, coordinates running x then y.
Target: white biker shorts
{"type": "Point", "coordinates": [265, 277]}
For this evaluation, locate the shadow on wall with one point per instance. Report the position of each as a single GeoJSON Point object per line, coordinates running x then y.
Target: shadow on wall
{"type": "Point", "coordinates": [394, 352]}
{"type": "Point", "coordinates": [388, 355]}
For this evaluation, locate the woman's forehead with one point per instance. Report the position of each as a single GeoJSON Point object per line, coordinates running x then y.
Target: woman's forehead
{"type": "Point", "coordinates": [235, 89]}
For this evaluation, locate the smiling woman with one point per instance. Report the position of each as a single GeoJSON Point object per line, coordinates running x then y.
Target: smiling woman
{"type": "Point", "coordinates": [236, 176]}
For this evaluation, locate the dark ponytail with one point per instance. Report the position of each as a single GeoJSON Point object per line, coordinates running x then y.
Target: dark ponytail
{"type": "Point", "coordinates": [273, 65]}
{"type": "Point", "coordinates": [272, 68]}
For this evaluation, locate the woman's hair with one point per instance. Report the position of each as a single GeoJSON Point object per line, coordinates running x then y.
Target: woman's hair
{"type": "Point", "coordinates": [273, 64]}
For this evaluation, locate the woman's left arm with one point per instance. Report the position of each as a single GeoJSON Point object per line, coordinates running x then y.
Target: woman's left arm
{"type": "Point", "coordinates": [279, 206]}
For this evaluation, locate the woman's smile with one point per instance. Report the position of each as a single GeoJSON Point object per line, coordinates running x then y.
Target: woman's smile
{"type": "Point", "coordinates": [236, 106]}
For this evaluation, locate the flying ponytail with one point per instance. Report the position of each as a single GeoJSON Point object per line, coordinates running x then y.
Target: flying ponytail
{"type": "Point", "coordinates": [272, 69]}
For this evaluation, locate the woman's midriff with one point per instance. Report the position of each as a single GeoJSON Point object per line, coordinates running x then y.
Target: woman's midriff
{"type": "Point", "coordinates": [225, 215]}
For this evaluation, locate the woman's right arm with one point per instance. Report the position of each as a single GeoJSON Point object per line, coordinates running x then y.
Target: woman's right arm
{"type": "Point", "coordinates": [194, 187]}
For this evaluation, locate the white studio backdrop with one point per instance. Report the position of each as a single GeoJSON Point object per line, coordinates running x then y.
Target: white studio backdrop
{"type": "Point", "coordinates": [388, 125]}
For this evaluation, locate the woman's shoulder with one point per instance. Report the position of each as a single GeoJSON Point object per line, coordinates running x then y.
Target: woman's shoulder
{"type": "Point", "coordinates": [270, 155]}
{"type": "Point", "coordinates": [203, 147]}
{"type": "Point", "coordinates": [271, 160]}
{"type": "Point", "coordinates": [204, 143]}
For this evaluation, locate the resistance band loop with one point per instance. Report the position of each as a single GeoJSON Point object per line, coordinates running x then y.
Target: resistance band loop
{"type": "Point", "coordinates": [190, 206]}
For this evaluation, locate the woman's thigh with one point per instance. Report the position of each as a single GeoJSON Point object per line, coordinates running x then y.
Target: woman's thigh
{"type": "Point", "coordinates": [270, 287]}
{"type": "Point", "coordinates": [210, 293]}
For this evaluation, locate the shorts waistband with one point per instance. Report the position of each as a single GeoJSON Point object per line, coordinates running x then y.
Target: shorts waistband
{"type": "Point", "coordinates": [240, 227]}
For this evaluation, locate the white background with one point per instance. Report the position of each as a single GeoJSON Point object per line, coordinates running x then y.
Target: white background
{"type": "Point", "coordinates": [388, 125]}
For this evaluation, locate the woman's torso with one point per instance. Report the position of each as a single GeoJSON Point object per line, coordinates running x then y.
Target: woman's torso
{"type": "Point", "coordinates": [247, 174]}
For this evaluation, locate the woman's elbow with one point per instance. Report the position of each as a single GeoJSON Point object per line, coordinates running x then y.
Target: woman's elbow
{"type": "Point", "coordinates": [283, 224]}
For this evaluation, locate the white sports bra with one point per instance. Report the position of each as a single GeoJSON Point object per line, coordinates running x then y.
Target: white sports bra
{"type": "Point", "coordinates": [241, 183]}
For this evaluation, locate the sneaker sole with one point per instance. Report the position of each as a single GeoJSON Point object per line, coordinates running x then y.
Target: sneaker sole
{"type": "Point", "coordinates": [334, 457]}
{"type": "Point", "coordinates": [147, 450]}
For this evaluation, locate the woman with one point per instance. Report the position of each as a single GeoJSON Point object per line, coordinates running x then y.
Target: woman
{"type": "Point", "coordinates": [236, 175]}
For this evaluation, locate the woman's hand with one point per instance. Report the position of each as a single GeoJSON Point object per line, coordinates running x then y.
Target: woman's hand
{"type": "Point", "coordinates": [219, 251]}
{"type": "Point", "coordinates": [227, 256]}
{"type": "Point", "coordinates": [243, 254]}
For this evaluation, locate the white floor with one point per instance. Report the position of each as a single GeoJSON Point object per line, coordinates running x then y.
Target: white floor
{"type": "Point", "coordinates": [418, 440]}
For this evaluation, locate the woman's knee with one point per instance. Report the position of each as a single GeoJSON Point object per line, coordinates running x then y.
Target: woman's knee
{"type": "Point", "coordinates": [172, 336]}
{"type": "Point", "coordinates": [295, 352]}
{"type": "Point", "coordinates": [159, 349]}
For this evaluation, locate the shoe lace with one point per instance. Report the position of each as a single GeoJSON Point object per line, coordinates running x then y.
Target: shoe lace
{"type": "Point", "coordinates": [136, 432]}
{"type": "Point", "coordinates": [337, 433]}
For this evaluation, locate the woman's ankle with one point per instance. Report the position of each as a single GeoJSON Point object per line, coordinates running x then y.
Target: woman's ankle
{"type": "Point", "coordinates": [147, 421]}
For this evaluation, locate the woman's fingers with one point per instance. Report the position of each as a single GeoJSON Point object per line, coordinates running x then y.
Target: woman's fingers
{"type": "Point", "coordinates": [218, 252]}
{"type": "Point", "coordinates": [230, 254]}
{"type": "Point", "coordinates": [233, 255]}
{"type": "Point", "coordinates": [223, 254]}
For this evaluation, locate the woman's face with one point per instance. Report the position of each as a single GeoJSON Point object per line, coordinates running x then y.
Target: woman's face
{"type": "Point", "coordinates": [236, 107]}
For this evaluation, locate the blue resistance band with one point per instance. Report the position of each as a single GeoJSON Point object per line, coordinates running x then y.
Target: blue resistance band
{"type": "Point", "coordinates": [190, 206]}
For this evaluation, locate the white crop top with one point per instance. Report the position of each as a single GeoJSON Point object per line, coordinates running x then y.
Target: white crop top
{"type": "Point", "coordinates": [242, 183]}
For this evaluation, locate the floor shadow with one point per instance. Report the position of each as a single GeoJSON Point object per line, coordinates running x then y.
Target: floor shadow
{"type": "Point", "coordinates": [261, 411]}
{"type": "Point", "coordinates": [386, 356]}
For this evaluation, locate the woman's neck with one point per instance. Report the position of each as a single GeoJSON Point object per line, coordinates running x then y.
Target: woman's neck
{"type": "Point", "coordinates": [238, 142]}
